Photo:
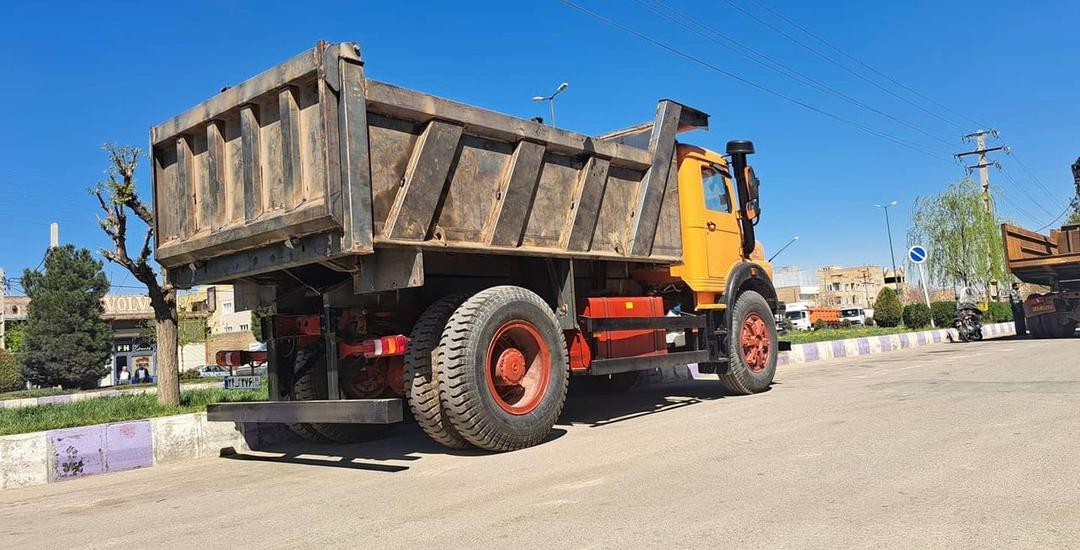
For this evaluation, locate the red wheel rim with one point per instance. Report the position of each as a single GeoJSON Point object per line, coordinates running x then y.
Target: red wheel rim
{"type": "Point", "coordinates": [755, 341]}
{"type": "Point", "coordinates": [518, 367]}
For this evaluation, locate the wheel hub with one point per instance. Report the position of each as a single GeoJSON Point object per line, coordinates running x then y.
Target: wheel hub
{"type": "Point", "coordinates": [510, 367]}
{"type": "Point", "coordinates": [755, 342]}
{"type": "Point", "coordinates": [518, 365]}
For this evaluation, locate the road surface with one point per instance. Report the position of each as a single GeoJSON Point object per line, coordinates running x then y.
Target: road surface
{"type": "Point", "coordinates": [962, 445]}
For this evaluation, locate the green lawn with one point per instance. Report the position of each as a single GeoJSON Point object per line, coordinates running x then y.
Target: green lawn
{"type": "Point", "coordinates": [114, 409]}
{"type": "Point", "coordinates": [827, 334]}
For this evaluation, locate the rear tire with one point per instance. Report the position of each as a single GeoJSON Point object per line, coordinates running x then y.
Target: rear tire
{"type": "Point", "coordinates": [421, 381]}
{"type": "Point", "coordinates": [752, 346]}
{"type": "Point", "coordinates": [502, 368]}
{"type": "Point", "coordinates": [304, 390]}
{"type": "Point", "coordinates": [1035, 327]}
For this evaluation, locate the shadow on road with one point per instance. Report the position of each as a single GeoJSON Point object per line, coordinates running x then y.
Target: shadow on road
{"type": "Point", "coordinates": [407, 443]}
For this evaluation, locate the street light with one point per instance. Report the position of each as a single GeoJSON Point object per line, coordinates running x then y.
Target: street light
{"type": "Point", "coordinates": [789, 243]}
{"type": "Point", "coordinates": [551, 99]}
{"type": "Point", "coordinates": [888, 229]}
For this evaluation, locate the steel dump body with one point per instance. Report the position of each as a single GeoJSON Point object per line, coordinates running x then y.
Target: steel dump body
{"type": "Point", "coordinates": [311, 162]}
{"type": "Point", "coordinates": [1052, 261]}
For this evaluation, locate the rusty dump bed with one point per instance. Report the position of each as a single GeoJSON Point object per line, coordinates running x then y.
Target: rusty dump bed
{"type": "Point", "coordinates": [311, 162]}
{"type": "Point", "coordinates": [1052, 260]}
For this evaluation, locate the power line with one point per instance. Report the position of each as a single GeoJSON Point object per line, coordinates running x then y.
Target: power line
{"type": "Point", "coordinates": [879, 73]}
{"type": "Point", "coordinates": [884, 135]}
{"type": "Point", "coordinates": [813, 50]}
{"type": "Point", "coordinates": [1023, 192]}
{"type": "Point", "coordinates": [681, 18]}
{"type": "Point", "coordinates": [1055, 220]}
{"type": "Point", "coordinates": [1030, 174]}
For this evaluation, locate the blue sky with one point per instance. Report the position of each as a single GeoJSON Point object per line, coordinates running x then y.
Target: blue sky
{"type": "Point", "coordinates": [79, 75]}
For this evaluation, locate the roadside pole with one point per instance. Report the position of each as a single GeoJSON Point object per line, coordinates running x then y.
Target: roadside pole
{"type": "Point", "coordinates": [917, 254]}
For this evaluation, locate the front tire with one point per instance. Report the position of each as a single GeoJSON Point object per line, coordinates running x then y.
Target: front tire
{"type": "Point", "coordinates": [502, 367]}
{"type": "Point", "coordinates": [752, 346]}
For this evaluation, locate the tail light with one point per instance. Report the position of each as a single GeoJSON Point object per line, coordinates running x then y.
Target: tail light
{"type": "Point", "coordinates": [387, 346]}
{"type": "Point", "coordinates": [227, 358]}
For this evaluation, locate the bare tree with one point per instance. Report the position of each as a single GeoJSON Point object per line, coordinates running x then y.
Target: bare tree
{"type": "Point", "coordinates": [118, 196]}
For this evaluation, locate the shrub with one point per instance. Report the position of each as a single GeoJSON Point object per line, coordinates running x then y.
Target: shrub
{"type": "Point", "coordinates": [999, 312]}
{"type": "Point", "coordinates": [845, 323]}
{"type": "Point", "coordinates": [916, 315]}
{"type": "Point", "coordinates": [887, 308]}
{"type": "Point", "coordinates": [190, 374]}
{"type": "Point", "coordinates": [10, 377]}
{"type": "Point", "coordinates": [943, 313]}
{"type": "Point", "coordinates": [819, 324]}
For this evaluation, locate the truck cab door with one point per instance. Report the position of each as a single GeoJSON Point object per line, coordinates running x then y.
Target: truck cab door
{"type": "Point", "coordinates": [723, 239]}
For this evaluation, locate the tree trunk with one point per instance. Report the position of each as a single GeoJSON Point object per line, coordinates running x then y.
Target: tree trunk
{"type": "Point", "coordinates": [168, 371]}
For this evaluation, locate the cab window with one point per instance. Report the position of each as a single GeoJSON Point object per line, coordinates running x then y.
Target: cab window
{"type": "Point", "coordinates": [716, 195]}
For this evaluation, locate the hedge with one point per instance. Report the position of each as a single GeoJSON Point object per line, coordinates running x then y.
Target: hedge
{"type": "Point", "coordinates": [916, 316]}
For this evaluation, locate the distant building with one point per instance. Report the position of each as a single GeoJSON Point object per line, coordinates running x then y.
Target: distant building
{"type": "Point", "coordinates": [852, 286]}
{"type": "Point", "coordinates": [227, 328]}
{"type": "Point", "coordinates": [795, 285]}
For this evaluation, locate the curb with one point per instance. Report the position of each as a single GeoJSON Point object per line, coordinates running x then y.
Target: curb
{"type": "Point", "coordinates": [69, 453]}
{"type": "Point", "coordinates": [81, 396]}
{"type": "Point", "coordinates": [58, 455]}
{"type": "Point", "coordinates": [838, 349]}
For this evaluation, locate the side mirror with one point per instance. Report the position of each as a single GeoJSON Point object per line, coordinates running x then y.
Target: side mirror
{"type": "Point", "coordinates": [753, 186]}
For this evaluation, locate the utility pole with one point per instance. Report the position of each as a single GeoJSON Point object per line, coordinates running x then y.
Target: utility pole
{"type": "Point", "coordinates": [984, 164]}
{"type": "Point", "coordinates": [892, 254]}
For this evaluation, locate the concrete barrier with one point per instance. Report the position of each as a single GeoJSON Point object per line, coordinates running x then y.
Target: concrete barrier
{"type": "Point", "coordinates": [94, 394]}
{"type": "Point", "coordinates": [58, 455]}
{"type": "Point", "coordinates": [836, 349]}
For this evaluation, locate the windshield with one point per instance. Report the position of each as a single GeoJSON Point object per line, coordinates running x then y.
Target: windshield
{"type": "Point", "coordinates": [796, 315]}
{"type": "Point", "coordinates": [850, 312]}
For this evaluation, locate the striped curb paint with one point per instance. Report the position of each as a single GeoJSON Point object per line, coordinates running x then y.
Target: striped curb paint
{"type": "Point", "coordinates": [852, 347]}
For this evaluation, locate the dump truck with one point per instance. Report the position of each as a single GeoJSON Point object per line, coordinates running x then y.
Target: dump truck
{"type": "Point", "coordinates": [417, 255]}
{"type": "Point", "coordinates": [1051, 261]}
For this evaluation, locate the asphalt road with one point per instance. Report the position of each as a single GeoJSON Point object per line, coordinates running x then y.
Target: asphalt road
{"type": "Point", "coordinates": [963, 445]}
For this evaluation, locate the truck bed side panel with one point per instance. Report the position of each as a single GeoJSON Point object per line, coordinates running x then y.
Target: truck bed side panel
{"type": "Point", "coordinates": [314, 148]}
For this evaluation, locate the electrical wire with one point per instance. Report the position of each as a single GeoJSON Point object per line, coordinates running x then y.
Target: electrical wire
{"type": "Point", "coordinates": [662, 9]}
{"type": "Point", "coordinates": [1031, 174]}
{"type": "Point", "coordinates": [1055, 220]}
{"type": "Point", "coordinates": [877, 72]}
{"type": "Point", "coordinates": [1023, 192]}
{"type": "Point", "coordinates": [879, 133]}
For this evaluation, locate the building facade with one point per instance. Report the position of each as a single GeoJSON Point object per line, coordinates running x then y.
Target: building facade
{"type": "Point", "coordinates": [227, 328]}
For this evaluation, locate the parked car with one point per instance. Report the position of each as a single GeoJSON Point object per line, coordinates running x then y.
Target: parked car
{"type": "Point", "coordinates": [212, 371]}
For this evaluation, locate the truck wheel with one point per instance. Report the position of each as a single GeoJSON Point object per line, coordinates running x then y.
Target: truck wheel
{"type": "Point", "coordinates": [752, 346]}
{"type": "Point", "coordinates": [502, 367]}
{"type": "Point", "coordinates": [304, 390]}
{"type": "Point", "coordinates": [1035, 326]}
{"type": "Point", "coordinates": [1054, 329]}
{"type": "Point", "coordinates": [421, 383]}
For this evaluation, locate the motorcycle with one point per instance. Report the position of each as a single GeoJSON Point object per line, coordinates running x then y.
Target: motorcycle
{"type": "Point", "coordinates": [968, 322]}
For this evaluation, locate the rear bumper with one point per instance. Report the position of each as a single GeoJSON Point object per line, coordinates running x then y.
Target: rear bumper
{"type": "Point", "coordinates": [339, 411]}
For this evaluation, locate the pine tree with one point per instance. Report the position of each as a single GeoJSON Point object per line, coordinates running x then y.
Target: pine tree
{"type": "Point", "coordinates": [66, 341]}
{"type": "Point", "coordinates": [887, 308]}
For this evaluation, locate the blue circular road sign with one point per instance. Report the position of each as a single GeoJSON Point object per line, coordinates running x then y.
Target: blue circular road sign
{"type": "Point", "coordinates": [917, 254]}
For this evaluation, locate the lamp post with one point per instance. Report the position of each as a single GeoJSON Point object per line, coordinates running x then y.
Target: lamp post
{"type": "Point", "coordinates": [551, 99]}
{"type": "Point", "coordinates": [789, 243]}
{"type": "Point", "coordinates": [892, 254]}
